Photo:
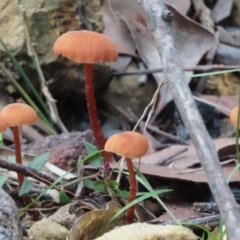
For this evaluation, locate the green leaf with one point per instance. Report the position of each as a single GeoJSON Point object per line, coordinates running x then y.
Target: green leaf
{"type": "Point", "coordinates": [137, 200]}
{"type": "Point", "coordinates": [64, 199]}
{"type": "Point", "coordinates": [3, 179]}
{"type": "Point", "coordinates": [55, 182]}
{"type": "Point", "coordinates": [26, 187]}
{"type": "Point", "coordinates": [39, 161]}
{"type": "Point", "coordinates": [101, 187]}
{"type": "Point", "coordinates": [114, 184]}
{"type": "Point", "coordinates": [102, 182]}
{"type": "Point", "coordinates": [142, 179]}
{"type": "Point", "coordinates": [21, 212]}
{"type": "Point", "coordinates": [97, 160]}
{"type": "Point", "coordinates": [97, 185]}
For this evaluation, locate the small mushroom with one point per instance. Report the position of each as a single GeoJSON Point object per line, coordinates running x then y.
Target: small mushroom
{"type": "Point", "coordinates": [234, 116]}
{"type": "Point", "coordinates": [16, 115]}
{"type": "Point", "coordinates": [88, 47]}
{"type": "Point", "coordinates": [3, 125]}
{"type": "Point", "coordinates": [129, 145]}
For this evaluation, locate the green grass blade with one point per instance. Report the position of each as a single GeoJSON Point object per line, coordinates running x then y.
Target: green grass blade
{"type": "Point", "coordinates": [58, 180]}
{"type": "Point", "coordinates": [25, 77]}
{"type": "Point", "coordinates": [212, 73]}
{"type": "Point", "coordinates": [137, 200]}
{"type": "Point", "coordinates": [142, 179]}
{"type": "Point", "coordinates": [27, 98]}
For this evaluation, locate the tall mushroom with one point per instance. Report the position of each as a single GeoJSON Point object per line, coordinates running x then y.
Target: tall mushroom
{"type": "Point", "coordinates": [88, 47]}
{"type": "Point", "coordinates": [129, 145]}
{"type": "Point", "coordinates": [16, 115]}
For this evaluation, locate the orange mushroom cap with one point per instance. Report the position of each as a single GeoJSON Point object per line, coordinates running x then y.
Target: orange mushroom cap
{"type": "Point", "coordinates": [86, 47]}
{"type": "Point", "coordinates": [128, 144]}
{"type": "Point", "coordinates": [18, 114]}
{"type": "Point", "coordinates": [234, 115]}
{"type": "Point", "coordinates": [3, 125]}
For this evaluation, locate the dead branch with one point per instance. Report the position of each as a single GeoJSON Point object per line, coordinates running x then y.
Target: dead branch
{"type": "Point", "coordinates": [199, 68]}
{"type": "Point", "coordinates": [26, 171]}
{"type": "Point", "coordinates": [159, 22]}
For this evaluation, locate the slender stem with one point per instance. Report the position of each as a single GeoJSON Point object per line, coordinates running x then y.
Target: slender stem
{"type": "Point", "coordinates": [18, 155]}
{"type": "Point", "coordinates": [92, 111]}
{"type": "Point", "coordinates": [132, 190]}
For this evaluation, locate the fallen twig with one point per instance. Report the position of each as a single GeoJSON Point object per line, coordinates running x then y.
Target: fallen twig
{"type": "Point", "coordinates": [159, 21]}
{"type": "Point", "coordinates": [199, 68]}
{"type": "Point", "coordinates": [26, 171]}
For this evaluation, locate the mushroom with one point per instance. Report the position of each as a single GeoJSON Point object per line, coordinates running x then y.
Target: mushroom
{"type": "Point", "coordinates": [16, 115]}
{"type": "Point", "coordinates": [3, 125]}
{"type": "Point", "coordinates": [234, 116]}
{"type": "Point", "coordinates": [88, 47]}
{"type": "Point", "coordinates": [129, 145]}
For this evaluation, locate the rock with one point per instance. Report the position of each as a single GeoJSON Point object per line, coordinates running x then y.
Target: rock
{"type": "Point", "coordinates": [47, 229]}
{"type": "Point", "coordinates": [64, 217]}
{"type": "Point", "coordinates": [10, 226]}
{"type": "Point", "coordinates": [46, 21]}
{"type": "Point", "coordinates": [145, 231]}
{"type": "Point", "coordinates": [64, 148]}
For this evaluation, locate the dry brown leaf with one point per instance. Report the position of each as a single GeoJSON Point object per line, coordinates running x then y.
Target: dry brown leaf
{"type": "Point", "coordinates": [182, 6]}
{"type": "Point", "coordinates": [119, 33]}
{"type": "Point", "coordinates": [221, 10]}
{"type": "Point", "coordinates": [224, 102]}
{"type": "Point", "coordinates": [227, 54]}
{"type": "Point", "coordinates": [190, 38]}
{"type": "Point", "coordinates": [187, 161]}
{"type": "Point", "coordinates": [179, 210]}
{"type": "Point", "coordinates": [91, 224]}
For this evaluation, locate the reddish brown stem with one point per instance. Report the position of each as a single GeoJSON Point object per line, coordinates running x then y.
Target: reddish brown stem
{"type": "Point", "coordinates": [132, 190]}
{"type": "Point", "coordinates": [92, 111]}
{"type": "Point", "coordinates": [18, 156]}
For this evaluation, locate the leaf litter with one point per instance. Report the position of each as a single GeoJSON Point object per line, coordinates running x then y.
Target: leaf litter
{"type": "Point", "coordinates": [171, 165]}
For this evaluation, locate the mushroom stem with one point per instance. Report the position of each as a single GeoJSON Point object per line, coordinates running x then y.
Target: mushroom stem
{"type": "Point", "coordinates": [92, 111]}
{"type": "Point", "coordinates": [132, 190]}
{"type": "Point", "coordinates": [18, 156]}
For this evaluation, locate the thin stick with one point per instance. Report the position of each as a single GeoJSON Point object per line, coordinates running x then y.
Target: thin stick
{"type": "Point", "coordinates": [159, 21]}
{"type": "Point", "coordinates": [149, 107]}
{"type": "Point", "coordinates": [199, 68]}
